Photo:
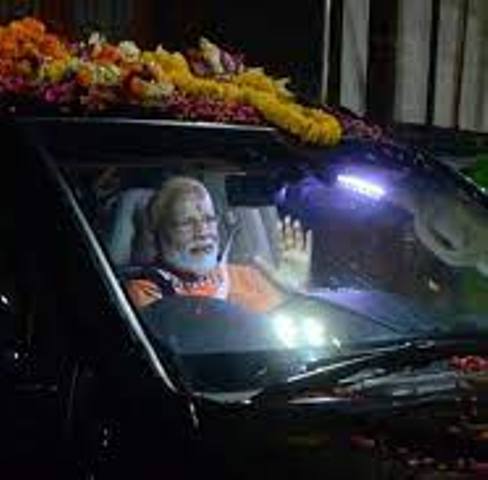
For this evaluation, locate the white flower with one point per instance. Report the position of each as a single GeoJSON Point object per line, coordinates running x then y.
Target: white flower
{"type": "Point", "coordinates": [154, 91]}
{"type": "Point", "coordinates": [130, 51]}
{"type": "Point", "coordinates": [96, 38]}
{"type": "Point", "coordinates": [107, 74]}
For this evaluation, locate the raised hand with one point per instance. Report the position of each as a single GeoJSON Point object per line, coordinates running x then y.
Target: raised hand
{"type": "Point", "coordinates": [295, 255]}
{"type": "Point", "coordinates": [295, 247]}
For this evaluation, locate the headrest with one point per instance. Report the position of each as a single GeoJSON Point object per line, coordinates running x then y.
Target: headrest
{"type": "Point", "coordinates": [128, 212]}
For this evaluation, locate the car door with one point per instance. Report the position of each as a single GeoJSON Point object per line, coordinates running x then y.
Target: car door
{"type": "Point", "coordinates": [49, 305]}
{"type": "Point", "coordinates": [29, 350]}
{"type": "Point", "coordinates": [114, 412]}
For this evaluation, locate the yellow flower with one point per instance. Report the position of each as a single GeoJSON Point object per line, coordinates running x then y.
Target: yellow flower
{"type": "Point", "coordinates": [112, 65]}
{"type": "Point", "coordinates": [54, 71]}
{"type": "Point", "coordinates": [253, 87]}
{"type": "Point", "coordinates": [258, 80]}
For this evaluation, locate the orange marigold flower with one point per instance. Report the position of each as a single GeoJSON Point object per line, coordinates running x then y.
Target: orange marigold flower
{"type": "Point", "coordinates": [52, 46]}
{"type": "Point", "coordinates": [137, 87]}
{"type": "Point", "coordinates": [28, 26]}
{"type": "Point", "coordinates": [108, 54]}
{"type": "Point", "coordinates": [84, 77]}
{"type": "Point", "coordinates": [8, 48]}
{"type": "Point", "coordinates": [24, 68]}
{"type": "Point", "coordinates": [30, 49]}
{"type": "Point", "coordinates": [27, 39]}
{"type": "Point", "coordinates": [6, 68]}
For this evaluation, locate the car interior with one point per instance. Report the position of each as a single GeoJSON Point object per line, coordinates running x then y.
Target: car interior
{"type": "Point", "coordinates": [127, 241]}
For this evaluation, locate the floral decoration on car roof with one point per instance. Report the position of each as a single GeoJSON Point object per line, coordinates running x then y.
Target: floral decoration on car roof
{"type": "Point", "coordinates": [41, 72]}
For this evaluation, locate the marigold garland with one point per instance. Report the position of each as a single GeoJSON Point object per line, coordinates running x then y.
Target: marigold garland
{"type": "Point", "coordinates": [24, 44]}
{"type": "Point", "coordinates": [266, 95]}
{"type": "Point", "coordinates": [97, 75]}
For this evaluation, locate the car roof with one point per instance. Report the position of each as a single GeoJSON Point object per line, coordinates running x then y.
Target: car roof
{"type": "Point", "coordinates": [115, 141]}
{"type": "Point", "coordinates": [119, 141]}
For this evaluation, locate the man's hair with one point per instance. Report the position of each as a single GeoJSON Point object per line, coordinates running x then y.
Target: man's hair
{"type": "Point", "coordinates": [153, 221]}
{"type": "Point", "coordinates": [161, 206]}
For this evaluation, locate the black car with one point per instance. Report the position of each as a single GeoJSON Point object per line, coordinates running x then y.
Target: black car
{"type": "Point", "coordinates": [350, 342]}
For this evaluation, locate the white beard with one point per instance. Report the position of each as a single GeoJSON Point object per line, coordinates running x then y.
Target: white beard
{"type": "Point", "coordinates": [186, 262]}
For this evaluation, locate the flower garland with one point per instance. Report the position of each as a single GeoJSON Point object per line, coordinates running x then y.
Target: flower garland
{"type": "Point", "coordinates": [208, 83]}
{"type": "Point", "coordinates": [24, 45]}
{"type": "Point", "coordinates": [253, 87]}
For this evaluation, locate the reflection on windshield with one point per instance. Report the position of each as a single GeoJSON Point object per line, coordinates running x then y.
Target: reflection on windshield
{"type": "Point", "coordinates": [345, 255]}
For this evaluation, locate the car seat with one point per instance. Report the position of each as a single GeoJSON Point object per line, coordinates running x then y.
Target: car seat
{"type": "Point", "coordinates": [127, 218]}
{"type": "Point", "coordinates": [128, 242]}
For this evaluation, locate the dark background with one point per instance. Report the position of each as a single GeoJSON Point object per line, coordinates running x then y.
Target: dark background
{"type": "Point", "coordinates": [286, 37]}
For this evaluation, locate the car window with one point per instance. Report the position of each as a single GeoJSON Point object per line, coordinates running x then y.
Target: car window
{"type": "Point", "coordinates": [311, 261]}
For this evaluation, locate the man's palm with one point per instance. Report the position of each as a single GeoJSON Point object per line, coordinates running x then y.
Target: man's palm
{"type": "Point", "coordinates": [295, 254]}
{"type": "Point", "coordinates": [295, 247]}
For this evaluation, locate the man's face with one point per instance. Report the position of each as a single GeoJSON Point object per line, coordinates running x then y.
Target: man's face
{"type": "Point", "coordinates": [191, 240]}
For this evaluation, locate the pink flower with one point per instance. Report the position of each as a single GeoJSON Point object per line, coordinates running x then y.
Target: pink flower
{"type": "Point", "coordinates": [50, 95]}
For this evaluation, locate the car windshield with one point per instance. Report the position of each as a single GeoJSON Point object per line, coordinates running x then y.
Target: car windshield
{"type": "Point", "coordinates": [243, 271]}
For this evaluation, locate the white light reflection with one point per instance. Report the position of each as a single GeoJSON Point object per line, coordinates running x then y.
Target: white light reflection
{"type": "Point", "coordinates": [336, 342]}
{"type": "Point", "coordinates": [286, 330]}
{"type": "Point", "coordinates": [314, 332]}
{"type": "Point", "coordinates": [308, 332]}
{"type": "Point", "coordinates": [362, 186]}
{"type": "Point", "coordinates": [4, 300]}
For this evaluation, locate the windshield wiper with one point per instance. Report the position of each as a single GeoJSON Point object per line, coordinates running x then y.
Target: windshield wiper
{"type": "Point", "coordinates": [414, 354]}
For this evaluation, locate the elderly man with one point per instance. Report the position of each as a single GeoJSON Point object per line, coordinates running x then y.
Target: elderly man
{"type": "Point", "coordinates": [183, 224]}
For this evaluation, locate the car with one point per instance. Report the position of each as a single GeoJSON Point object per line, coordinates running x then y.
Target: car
{"type": "Point", "coordinates": [355, 345]}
